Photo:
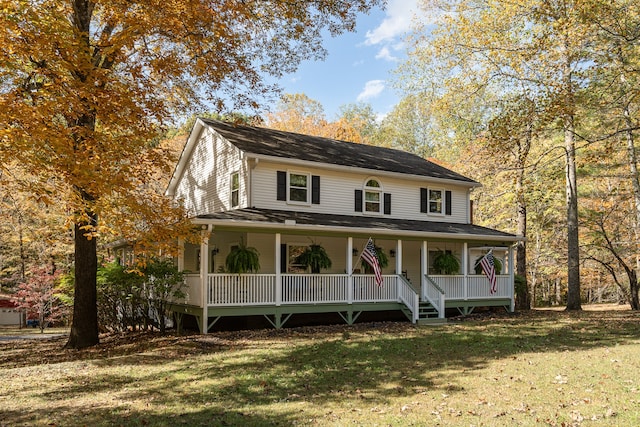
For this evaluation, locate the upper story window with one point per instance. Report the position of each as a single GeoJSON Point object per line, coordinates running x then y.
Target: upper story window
{"type": "Point", "coordinates": [235, 189]}
{"type": "Point", "coordinates": [435, 201]}
{"type": "Point", "coordinates": [372, 199]}
{"type": "Point", "coordinates": [372, 196]}
{"type": "Point", "coordinates": [298, 187]}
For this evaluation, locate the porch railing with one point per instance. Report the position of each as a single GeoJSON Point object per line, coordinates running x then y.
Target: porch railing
{"type": "Point", "coordinates": [434, 294]}
{"type": "Point", "coordinates": [193, 289]}
{"type": "Point", "coordinates": [241, 289]}
{"type": "Point", "coordinates": [260, 289]}
{"type": "Point", "coordinates": [408, 297]}
{"type": "Point", "coordinates": [314, 288]}
{"type": "Point", "coordinates": [474, 287]}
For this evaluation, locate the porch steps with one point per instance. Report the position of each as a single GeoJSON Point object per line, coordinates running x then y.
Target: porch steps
{"type": "Point", "coordinates": [427, 314]}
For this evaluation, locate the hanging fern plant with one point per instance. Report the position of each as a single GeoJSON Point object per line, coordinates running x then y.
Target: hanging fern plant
{"type": "Point", "coordinates": [314, 257]}
{"type": "Point", "coordinates": [445, 263]}
{"type": "Point", "coordinates": [243, 259]}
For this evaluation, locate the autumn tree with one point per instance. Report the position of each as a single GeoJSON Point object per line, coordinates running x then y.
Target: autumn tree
{"type": "Point", "coordinates": [300, 114]}
{"type": "Point", "coordinates": [37, 295]}
{"type": "Point", "coordinates": [490, 49]}
{"type": "Point", "coordinates": [86, 85]}
{"type": "Point", "coordinates": [410, 126]}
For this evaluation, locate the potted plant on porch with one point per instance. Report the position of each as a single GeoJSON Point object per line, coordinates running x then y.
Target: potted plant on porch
{"type": "Point", "coordinates": [445, 263]}
{"type": "Point", "coordinates": [243, 259]}
{"type": "Point", "coordinates": [314, 257]}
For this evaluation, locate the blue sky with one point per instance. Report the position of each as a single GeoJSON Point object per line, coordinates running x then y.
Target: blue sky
{"type": "Point", "coordinates": [358, 66]}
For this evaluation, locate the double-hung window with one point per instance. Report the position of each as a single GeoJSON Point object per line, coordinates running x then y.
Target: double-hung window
{"type": "Point", "coordinates": [435, 201]}
{"type": "Point", "coordinates": [235, 189]}
{"type": "Point", "coordinates": [298, 187]}
{"type": "Point", "coordinates": [372, 196]}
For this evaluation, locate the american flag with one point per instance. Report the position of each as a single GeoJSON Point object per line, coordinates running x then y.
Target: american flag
{"type": "Point", "coordinates": [370, 255]}
{"type": "Point", "coordinates": [488, 267]}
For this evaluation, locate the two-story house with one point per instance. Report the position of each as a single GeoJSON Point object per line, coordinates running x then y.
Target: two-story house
{"type": "Point", "coordinates": [279, 192]}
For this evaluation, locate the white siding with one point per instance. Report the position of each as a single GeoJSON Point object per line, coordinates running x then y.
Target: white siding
{"type": "Point", "coordinates": [337, 191]}
{"type": "Point", "coordinates": [205, 183]}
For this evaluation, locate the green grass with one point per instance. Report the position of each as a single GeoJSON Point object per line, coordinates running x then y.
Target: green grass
{"type": "Point", "coordinates": [540, 368]}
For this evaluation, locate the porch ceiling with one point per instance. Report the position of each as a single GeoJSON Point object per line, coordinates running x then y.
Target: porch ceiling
{"type": "Point", "coordinates": [287, 221]}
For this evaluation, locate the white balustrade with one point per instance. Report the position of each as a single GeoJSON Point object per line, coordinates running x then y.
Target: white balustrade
{"type": "Point", "coordinates": [314, 288]}
{"type": "Point", "coordinates": [241, 289]}
{"type": "Point", "coordinates": [365, 288]}
{"type": "Point", "coordinates": [192, 289]}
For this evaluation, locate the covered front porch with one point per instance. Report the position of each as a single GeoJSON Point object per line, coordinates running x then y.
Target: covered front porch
{"type": "Point", "coordinates": [283, 289]}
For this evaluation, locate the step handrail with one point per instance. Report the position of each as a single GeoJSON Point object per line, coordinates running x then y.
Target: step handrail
{"type": "Point", "coordinates": [409, 297]}
{"type": "Point", "coordinates": [435, 295]}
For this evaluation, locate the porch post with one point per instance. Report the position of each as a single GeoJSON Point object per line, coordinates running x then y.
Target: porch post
{"type": "Point", "coordinates": [350, 270]}
{"type": "Point", "coordinates": [180, 254]}
{"type": "Point", "coordinates": [424, 267]}
{"type": "Point", "coordinates": [399, 257]}
{"type": "Point", "coordinates": [204, 279]}
{"type": "Point", "coordinates": [465, 269]}
{"type": "Point", "coordinates": [512, 283]}
{"type": "Point", "coordinates": [278, 270]}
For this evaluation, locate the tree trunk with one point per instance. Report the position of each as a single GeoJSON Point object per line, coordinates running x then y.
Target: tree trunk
{"type": "Point", "coordinates": [573, 247]}
{"type": "Point", "coordinates": [633, 172]}
{"type": "Point", "coordinates": [84, 326]}
{"type": "Point", "coordinates": [523, 298]}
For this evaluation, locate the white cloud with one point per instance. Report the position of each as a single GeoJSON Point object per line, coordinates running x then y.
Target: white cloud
{"type": "Point", "coordinates": [385, 54]}
{"type": "Point", "coordinates": [372, 89]}
{"type": "Point", "coordinates": [398, 21]}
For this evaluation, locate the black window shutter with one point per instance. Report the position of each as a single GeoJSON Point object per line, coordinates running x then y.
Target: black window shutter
{"type": "Point", "coordinates": [282, 185]}
{"type": "Point", "coordinates": [315, 189]}
{"type": "Point", "coordinates": [358, 198]}
{"type": "Point", "coordinates": [387, 203]}
{"type": "Point", "coordinates": [283, 258]}
{"type": "Point", "coordinates": [423, 200]}
{"type": "Point", "coordinates": [447, 202]}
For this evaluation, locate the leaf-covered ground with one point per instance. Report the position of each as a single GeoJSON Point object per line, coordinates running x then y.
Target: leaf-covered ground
{"type": "Point", "coordinates": [537, 368]}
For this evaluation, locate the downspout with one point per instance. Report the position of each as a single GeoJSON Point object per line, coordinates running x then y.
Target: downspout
{"type": "Point", "coordinates": [254, 164]}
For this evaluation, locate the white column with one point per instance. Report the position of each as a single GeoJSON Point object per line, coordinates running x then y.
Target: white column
{"type": "Point", "coordinates": [278, 258]}
{"type": "Point", "coordinates": [424, 266]}
{"type": "Point", "coordinates": [350, 270]}
{"type": "Point", "coordinates": [465, 269]}
{"type": "Point", "coordinates": [180, 254]}
{"type": "Point", "coordinates": [399, 257]}
{"type": "Point", "coordinates": [204, 280]}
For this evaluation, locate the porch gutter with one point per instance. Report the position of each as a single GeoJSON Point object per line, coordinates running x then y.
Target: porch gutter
{"type": "Point", "coordinates": [292, 226]}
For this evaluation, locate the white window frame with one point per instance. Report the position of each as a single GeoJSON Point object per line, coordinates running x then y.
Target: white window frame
{"type": "Point", "coordinates": [307, 188]}
{"type": "Point", "coordinates": [442, 201]}
{"type": "Point", "coordinates": [372, 190]}
{"type": "Point", "coordinates": [234, 190]}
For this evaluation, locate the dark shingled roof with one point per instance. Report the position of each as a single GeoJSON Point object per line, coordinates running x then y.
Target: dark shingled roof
{"type": "Point", "coordinates": [269, 142]}
{"type": "Point", "coordinates": [270, 216]}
